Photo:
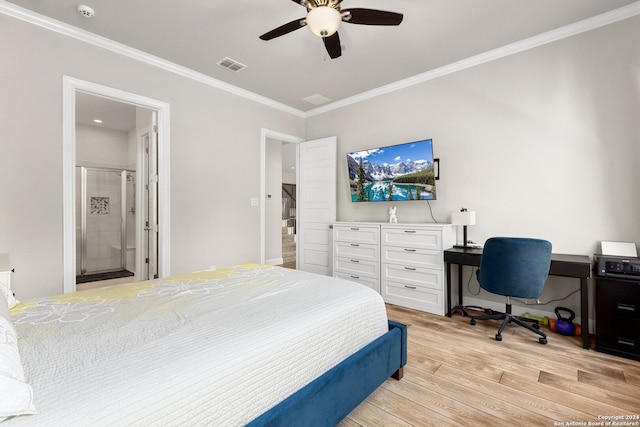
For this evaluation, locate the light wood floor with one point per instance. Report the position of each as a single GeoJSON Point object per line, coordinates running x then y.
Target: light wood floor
{"type": "Point", "coordinates": [103, 283]}
{"type": "Point", "coordinates": [457, 374]}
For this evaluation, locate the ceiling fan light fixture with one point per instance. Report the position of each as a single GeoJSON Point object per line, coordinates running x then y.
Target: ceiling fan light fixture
{"type": "Point", "coordinates": [323, 21]}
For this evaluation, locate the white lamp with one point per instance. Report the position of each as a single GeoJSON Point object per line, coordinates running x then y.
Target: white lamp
{"type": "Point", "coordinates": [323, 21]}
{"type": "Point", "coordinates": [463, 218]}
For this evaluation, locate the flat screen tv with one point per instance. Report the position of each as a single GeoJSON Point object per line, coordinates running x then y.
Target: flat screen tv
{"type": "Point", "coordinates": [393, 173]}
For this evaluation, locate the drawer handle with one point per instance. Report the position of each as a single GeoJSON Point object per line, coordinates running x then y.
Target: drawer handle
{"type": "Point", "coordinates": [355, 228]}
{"type": "Point", "coordinates": [409, 231]}
{"type": "Point", "coordinates": [355, 244]}
{"type": "Point", "coordinates": [410, 268]}
{"type": "Point", "coordinates": [355, 260]}
{"type": "Point", "coordinates": [355, 277]}
{"type": "Point", "coordinates": [626, 307]}
{"type": "Point", "coordinates": [626, 341]}
{"type": "Point", "coordinates": [409, 250]}
{"type": "Point", "coordinates": [410, 287]}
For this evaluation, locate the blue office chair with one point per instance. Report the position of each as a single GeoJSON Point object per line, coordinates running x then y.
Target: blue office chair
{"type": "Point", "coordinates": [514, 267]}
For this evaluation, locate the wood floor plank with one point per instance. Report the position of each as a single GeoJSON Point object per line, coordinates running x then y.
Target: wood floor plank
{"type": "Point", "coordinates": [544, 406]}
{"type": "Point", "coordinates": [609, 382]}
{"type": "Point", "coordinates": [468, 394]}
{"type": "Point", "coordinates": [631, 378]}
{"type": "Point", "coordinates": [457, 374]}
{"type": "Point", "coordinates": [418, 359]}
{"type": "Point", "coordinates": [619, 399]}
{"type": "Point", "coordinates": [348, 422]}
{"type": "Point", "coordinates": [443, 405]}
{"type": "Point", "coordinates": [590, 407]}
{"type": "Point", "coordinates": [487, 355]}
{"type": "Point", "coordinates": [471, 363]}
{"type": "Point", "coordinates": [408, 410]}
{"type": "Point", "coordinates": [367, 414]}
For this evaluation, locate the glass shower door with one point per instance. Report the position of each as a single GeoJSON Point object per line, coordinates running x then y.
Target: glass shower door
{"type": "Point", "coordinates": [101, 220]}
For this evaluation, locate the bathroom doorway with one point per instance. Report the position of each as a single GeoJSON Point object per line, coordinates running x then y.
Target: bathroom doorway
{"type": "Point", "coordinates": [121, 146]}
{"type": "Point", "coordinates": [108, 137]}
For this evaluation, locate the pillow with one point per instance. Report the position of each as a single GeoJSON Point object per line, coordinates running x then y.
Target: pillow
{"type": "Point", "coordinates": [16, 396]}
{"type": "Point", "coordinates": [5, 290]}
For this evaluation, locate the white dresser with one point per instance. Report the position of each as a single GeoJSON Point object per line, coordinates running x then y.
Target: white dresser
{"type": "Point", "coordinates": [412, 262]}
{"type": "Point", "coordinates": [404, 262]}
{"type": "Point", "coordinates": [356, 253]}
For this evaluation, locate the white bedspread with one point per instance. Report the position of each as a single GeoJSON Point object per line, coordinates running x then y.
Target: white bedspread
{"type": "Point", "coordinates": [208, 348]}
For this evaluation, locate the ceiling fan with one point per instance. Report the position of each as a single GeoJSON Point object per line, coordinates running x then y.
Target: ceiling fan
{"type": "Point", "coordinates": [324, 18]}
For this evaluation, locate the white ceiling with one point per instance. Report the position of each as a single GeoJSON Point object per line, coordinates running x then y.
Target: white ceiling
{"type": "Point", "coordinates": [198, 33]}
{"type": "Point", "coordinates": [115, 115]}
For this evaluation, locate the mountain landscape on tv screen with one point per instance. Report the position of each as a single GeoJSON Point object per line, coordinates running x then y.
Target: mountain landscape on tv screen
{"type": "Point", "coordinates": [380, 181]}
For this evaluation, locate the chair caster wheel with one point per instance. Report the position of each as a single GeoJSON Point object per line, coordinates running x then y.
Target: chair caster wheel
{"type": "Point", "coordinates": [542, 340]}
{"type": "Point", "coordinates": [498, 337]}
{"type": "Point", "coordinates": [473, 321]}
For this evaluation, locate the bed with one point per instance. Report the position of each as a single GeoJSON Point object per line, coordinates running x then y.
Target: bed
{"type": "Point", "coordinates": [245, 345]}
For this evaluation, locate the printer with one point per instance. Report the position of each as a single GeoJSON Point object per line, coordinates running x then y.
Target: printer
{"type": "Point", "coordinates": [617, 266]}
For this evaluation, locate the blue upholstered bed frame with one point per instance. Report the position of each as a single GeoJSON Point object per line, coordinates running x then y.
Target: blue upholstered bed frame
{"type": "Point", "coordinates": [331, 397]}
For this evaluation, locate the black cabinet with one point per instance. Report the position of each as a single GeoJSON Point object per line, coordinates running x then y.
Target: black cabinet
{"type": "Point", "coordinates": [618, 316]}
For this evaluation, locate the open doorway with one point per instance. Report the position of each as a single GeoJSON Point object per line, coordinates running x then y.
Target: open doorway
{"type": "Point", "coordinates": [106, 184]}
{"type": "Point", "coordinates": [278, 199]}
{"type": "Point", "coordinates": [128, 171]}
{"type": "Point", "coordinates": [315, 198]}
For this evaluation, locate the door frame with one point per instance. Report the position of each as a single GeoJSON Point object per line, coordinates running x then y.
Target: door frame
{"type": "Point", "coordinates": [70, 86]}
{"type": "Point", "coordinates": [265, 135]}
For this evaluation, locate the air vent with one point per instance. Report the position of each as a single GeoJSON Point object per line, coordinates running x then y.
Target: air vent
{"type": "Point", "coordinates": [231, 64]}
{"type": "Point", "coordinates": [316, 99]}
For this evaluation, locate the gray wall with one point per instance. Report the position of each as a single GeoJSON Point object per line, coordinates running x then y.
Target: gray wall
{"type": "Point", "coordinates": [543, 143]}
{"type": "Point", "coordinates": [212, 222]}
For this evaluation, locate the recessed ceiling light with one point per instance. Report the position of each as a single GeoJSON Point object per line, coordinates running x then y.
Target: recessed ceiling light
{"type": "Point", "coordinates": [97, 120]}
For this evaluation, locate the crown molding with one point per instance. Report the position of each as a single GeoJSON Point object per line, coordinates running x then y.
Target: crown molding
{"type": "Point", "coordinates": [592, 23]}
{"type": "Point", "coordinates": [601, 20]}
{"type": "Point", "coordinates": [45, 22]}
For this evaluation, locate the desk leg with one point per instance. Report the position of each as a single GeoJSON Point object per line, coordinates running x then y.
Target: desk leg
{"type": "Point", "coordinates": [448, 289]}
{"type": "Point", "coordinates": [584, 312]}
{"type": "Point", "coordinates": [460, 285]}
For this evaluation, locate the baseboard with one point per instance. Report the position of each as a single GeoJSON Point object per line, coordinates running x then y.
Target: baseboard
{"type": "Point", "coordinates": [275, 261]}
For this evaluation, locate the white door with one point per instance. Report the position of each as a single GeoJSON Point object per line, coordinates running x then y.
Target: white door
{"type": "Point", "coordinates": [150, 209]}
{"type": "Point", "coordinates": [316, 207]}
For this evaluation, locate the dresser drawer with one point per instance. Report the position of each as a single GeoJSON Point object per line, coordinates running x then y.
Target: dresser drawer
{"type": "Point", "coordinates": [617, 299]}
{"type": "Point", "coordinates": [412, 238]}
{"type": "Point", "coordinates": [618, 336]}
{"type": "Point", "coordinates": [367, 281]}
{"type": "Point", "coordinates": [361, 251]}
{"type": "Point", "coordinates": [413, 257]}
{"type": "Point", "coordinates": [414, 276]}
{"type": "Point", "coordinates": [356, 267]}
{"type": "Point", "coordinates": [413, 296]}
{"type": "Point", "coordinates": [356, 234]}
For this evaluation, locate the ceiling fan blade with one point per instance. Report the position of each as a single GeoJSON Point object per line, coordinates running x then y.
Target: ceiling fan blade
{"type": "Point", "coordinates": [371, 17]}
{"type": "Point", "coordinates": [284, 29]}
{"type": "Point", "coordinates": [332, 44]}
